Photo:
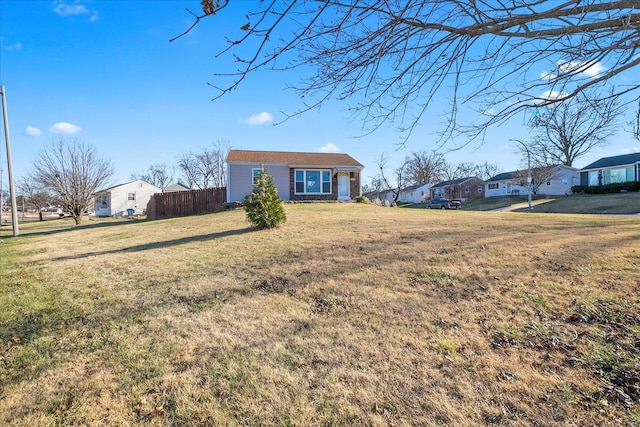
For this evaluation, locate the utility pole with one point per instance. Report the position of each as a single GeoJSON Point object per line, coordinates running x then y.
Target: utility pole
{"type": "Point", "coordinates": [12, 191]}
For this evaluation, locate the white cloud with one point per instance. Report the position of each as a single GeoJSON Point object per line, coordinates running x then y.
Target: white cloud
{"type": "Point", "coordinates": [329, 148]}
{"type": "Point", "coordinates": [258, 119]}
{"type": "Point", "coordinates": [74, 8]}
{"type": "Point", "coordinates": [631, 150]}
{"type": "Point", "coordinates": [595, 70]}
{"type": "Point", "coordinates": [31, 131]}
{"type": "Point", "coordinates": [64, 128]}
{"type": "Point", "coordinates": [552, 94]}
{"type": "Point", "coordinates": [579, 67]}
{"type": "Point", "coordinates": [15, 46]}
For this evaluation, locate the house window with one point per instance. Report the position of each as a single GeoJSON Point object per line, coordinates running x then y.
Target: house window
{"type": "Point", "coordinates": [102, 201]}
{"type": "Point", "coordinates": [493, 186]}
{"type": "Point", "coordinates": [479, 188]}
{"type": "Point", "coordinates": [548, 182]}
{"type": "Point", "coordinates": [131, 196]}
{"type": "Point", "coordinates": [254, 173]}
{"type": "Point", "coordinates": [611, 176]}
{"type": "Point", "coordinates": [466, 189]}
{"type": "Point", "coordinates": [313, 181]}
{"type": "Point", "coordinates": [565, 182]}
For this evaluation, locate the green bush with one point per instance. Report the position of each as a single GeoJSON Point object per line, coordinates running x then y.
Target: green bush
{"type": "Point", "coordinates": [263, 206]}
{"type": "Point", "coordinates": [576, 189]}
{"type": "Point", "coordinates": [362, 199]}
{"type": "Point", "coordinates": [613, 188]}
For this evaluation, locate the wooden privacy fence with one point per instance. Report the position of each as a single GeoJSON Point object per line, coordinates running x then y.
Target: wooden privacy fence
{"type": "Point", "coordinates": [185, 203]}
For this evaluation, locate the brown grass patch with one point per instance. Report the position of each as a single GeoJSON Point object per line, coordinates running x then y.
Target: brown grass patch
{"type": "Point", "coordinates": [346, 315]}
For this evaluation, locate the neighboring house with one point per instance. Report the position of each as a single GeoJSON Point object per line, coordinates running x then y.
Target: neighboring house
{"type": "Point", "coordinates": [468, 188]}
{"type": "Point", "coordinates": [124, 199]}
{"type": "Point", "coordinates": [415, 193]}
{"type": "Point", "coordinates": [178, 186]}
{"type": "Point", "coordinates": [388, 195]}
{"type": "Point", "coordinates": [554, 181]}
{"type": "Point", "coordinates": [297, 176]}
{"type": "Point", "coordinates": [610, 170]}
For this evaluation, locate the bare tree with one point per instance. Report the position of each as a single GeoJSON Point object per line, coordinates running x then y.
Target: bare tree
{"type": "Point", "coordinates": [539, 175]}
{"type": "Point", "coordinates": [574, 127]}
{"type": "Point", "coordinates": [35, 193]}
{"type": "Point", "coordinates": [422, 167]}
{"type": "Point", "coordinates": [187, 163]}
{"type": "Point", "coordinates": [158, 174]}
{"type": "Point", "coordinates": [486, 171]}
{"type": "Point", "coordinates": [392, 59]}
{"type": "Point", "coordinates": [72, 172]}
{"type": "Point", "coordinates": [400, 177]}
{"type": "Point", "coordinates": [205, 169]}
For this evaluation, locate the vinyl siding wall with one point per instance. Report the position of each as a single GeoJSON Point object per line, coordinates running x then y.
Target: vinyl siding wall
{"type": "Point", "coordinates": [240, 177]}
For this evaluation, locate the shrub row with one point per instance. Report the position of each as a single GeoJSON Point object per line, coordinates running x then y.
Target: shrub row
{"type": "Point", "coordinates": [609, 188]}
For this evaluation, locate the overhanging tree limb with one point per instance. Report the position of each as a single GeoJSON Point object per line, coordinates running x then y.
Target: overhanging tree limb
{"type": "Point", "coordinates": [392, 59]}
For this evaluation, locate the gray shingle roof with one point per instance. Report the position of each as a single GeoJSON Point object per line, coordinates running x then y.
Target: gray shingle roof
{"type": "Point", "coordinates": [608, 162]}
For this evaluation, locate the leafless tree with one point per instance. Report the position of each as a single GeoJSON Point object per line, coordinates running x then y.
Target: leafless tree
{"type": "Point", "coordinates": [460, 170]}
{"type": "Point", "coordinates": [422, 167]}
{"type": "Point", "coordinates": [189, 169]}
{"type": "Point", "coordinates": [72, 172]}
{"type": "Point", "coordinates": [392, 59]}
{"type": "Point", "coordinates": [34, 192]}
{"type": "Point", "coordinates": [486, 171]}
{"type": "Point", "coordinates": [158, 174]}
{"type": "Point", "coordinates": [205, 169]}
{"type": "Point", "coordinates": [539, 176]}
{"type": "Point", "coordinates": [400, 177]}
{"type": "Point", "coordinates": [570, 129]}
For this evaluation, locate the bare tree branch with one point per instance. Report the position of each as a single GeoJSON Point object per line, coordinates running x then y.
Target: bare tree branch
{"type": "Point", "coordinates": [392, 59]}
{"type": "Point", "coordinates": [574, 127]}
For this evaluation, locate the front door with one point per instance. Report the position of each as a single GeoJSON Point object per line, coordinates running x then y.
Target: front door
{"type": "Point", "coordinates": [343, 186]}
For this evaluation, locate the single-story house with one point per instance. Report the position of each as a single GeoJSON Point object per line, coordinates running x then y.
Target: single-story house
{"type": "Point", "coordinates": [468, 188]}
{"type": "Point", "coordinates": [417, 193]}
{"type": "Point", "coordinates": [178, 186]}
{"type": "Point", "coordinates": [610, 170]}
{"type": "Point", "coordinates": [124, 199]}
{"type": "Point", "coordinates": [554, 181]}
{"type": "Point", "coordinates": [297, 176]}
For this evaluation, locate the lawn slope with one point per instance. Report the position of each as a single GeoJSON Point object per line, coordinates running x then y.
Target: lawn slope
{"type": "Point", "coordinates": [348, 314]}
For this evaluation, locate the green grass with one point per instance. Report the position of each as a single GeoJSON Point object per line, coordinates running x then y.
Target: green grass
{"type": "Point", "coordinates": [348, 314]}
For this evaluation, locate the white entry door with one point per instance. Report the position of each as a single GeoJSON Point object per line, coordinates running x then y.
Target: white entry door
{"type": "Point", "coordinates": [343, 186]}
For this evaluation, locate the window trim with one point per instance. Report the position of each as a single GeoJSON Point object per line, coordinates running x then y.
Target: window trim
{"type": "Point", "coordinates": [254, 176]}
{"type": "Point", "coordinates": [131, 197]}
{"type": "Point", "coordinates": [304, 181]}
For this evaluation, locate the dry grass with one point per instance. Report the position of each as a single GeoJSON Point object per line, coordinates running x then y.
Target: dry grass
{"type": "Point", "coordinates": [346, 315]}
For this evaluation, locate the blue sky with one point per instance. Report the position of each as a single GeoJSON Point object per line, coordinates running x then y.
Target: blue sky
{"type": "Point", "coordinates": [104, 72]}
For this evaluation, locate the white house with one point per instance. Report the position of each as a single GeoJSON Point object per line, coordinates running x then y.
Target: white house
{"type": "Point", "coordinates": [126, 199]}
{"type": "Point", "coordinates": [415, 193]}
{"type": "Point", "coordinates": [556, 182]}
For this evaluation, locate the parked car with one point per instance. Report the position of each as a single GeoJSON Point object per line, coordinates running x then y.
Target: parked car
{"type": "Point", "coordinates": [456, 204]}
{"type": "Point", "coordinates": [439, 203]}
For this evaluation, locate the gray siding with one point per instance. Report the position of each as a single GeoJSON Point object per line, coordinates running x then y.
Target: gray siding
{"type": "Point", "coordinates": [240, 180]}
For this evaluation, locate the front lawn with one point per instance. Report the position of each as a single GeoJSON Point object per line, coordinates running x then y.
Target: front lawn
{"type": "Point", "coordinates": [348, 314]}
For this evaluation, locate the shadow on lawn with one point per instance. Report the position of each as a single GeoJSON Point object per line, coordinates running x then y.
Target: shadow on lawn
{"type": "Point", "coordinates": [161, 244]}
{"type": "Point", "coordinates": [44, 229]}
